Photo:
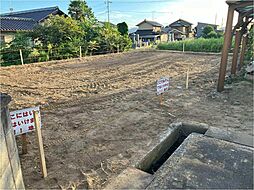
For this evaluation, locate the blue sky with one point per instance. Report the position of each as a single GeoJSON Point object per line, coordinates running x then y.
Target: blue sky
{"type": "Point", "coordinates": [134, 11]}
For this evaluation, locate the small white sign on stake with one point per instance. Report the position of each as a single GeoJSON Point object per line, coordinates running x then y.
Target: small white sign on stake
{"type": "Point", "coordinates": [23, 120]}
{"type": "Point", "coordinates": [162, 85]}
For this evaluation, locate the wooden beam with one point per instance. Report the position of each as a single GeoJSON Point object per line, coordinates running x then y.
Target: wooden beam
{"type": "Point", "coordinates": [238, 37]}
{"type": "Point", "coordinates": [226, 46]}
{"type": "Point", "coordinates": [244, 43]}
{"type": "Point", "coordinates": [240, 4]}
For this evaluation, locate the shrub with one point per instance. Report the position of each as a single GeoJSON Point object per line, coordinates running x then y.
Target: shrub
{"type": "Point", "coordinates": [212, 34]}
{"type": "Point", "coordinates": [11, 54]}
{"type": "Point", "coordinates": [195, 45]}
{"type": "Point", "coordinates": [208, 29]}
{"type": "Point", "coordinates": [250, 44]}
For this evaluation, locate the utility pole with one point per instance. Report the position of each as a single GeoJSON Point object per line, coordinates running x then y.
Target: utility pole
{"type": "Point", "coordinates": [215, 19]}
{"type": "Point", "coordinates": [11, 6]}
{"type": "Point", "coordinates": [153, 15]}
{"type": "Point", "coordinates": [107, 2]}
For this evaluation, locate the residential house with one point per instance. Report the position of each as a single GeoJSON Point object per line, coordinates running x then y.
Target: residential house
{"type": "Point", "coordinates": [150, 31]}
{"type": "Point", "coordinates": [200, 27]}
{"type": "Point", "coordinates": [179, 30]}
{"type": "Point", "coordinates": [11, 23]}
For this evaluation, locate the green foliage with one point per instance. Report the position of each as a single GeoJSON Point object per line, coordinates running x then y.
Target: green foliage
{"type": "Point", "coordinates": [212, 34]}
{"type": "Point", "coordinates": [79, 10]}
{"type": "Point", "coordinates": [250, 45]}
{"type": "Point", "coordinates": [109, 38]}
{"type": "Point", "coordinates": [61, 37]}
{"type": "Point", "coordinates": [122, 28]}
{"type": "Point", "coordinates": [209, 32]}
{"type": "Point", "coordinates": [220, 34]}
{"type": "Point", "coordinates": [11, 54]}
{"type": "Point", "coordinates": [208, 29]}
{"type": "Point", "coordinates": [58, 30]}
{"type": "Point", "coordinates": [195, 45]}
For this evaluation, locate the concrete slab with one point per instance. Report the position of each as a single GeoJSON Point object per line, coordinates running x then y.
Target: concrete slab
{"type": "Point", "coordinates": [231, 136]}
{"type": "Point", "coordinates": [131, 178]}
{"type": "Point", "coordinates": [202, 162]}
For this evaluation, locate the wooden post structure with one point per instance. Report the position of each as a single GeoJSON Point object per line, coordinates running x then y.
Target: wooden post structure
{"type": "Point", "coordinates": [21, 57]}
{"type": "Point", "coordinates": [244, 43]}
{"type": "Point", "coordinates": [80, 52]}
{"type": "Point", "coordinates": [183, 47]}
{"type": "Point", "coordinates": [226, 46]}
{"type": "Point", "coordinates": [40, 143]}
{"type": "Point", "coordinates": [24, 143]}
{"type": "Point", "coordinates": [236, 51]}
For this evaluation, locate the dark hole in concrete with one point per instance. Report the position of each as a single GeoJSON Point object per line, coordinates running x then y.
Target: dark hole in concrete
{"type": "Point", "coordinates": [163, 150]}
{"type": "Point", "coordinates": [156, 165]}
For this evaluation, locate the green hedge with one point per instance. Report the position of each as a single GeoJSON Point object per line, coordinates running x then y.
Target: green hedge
{"type": "Point", "coordinates": [195, 45]}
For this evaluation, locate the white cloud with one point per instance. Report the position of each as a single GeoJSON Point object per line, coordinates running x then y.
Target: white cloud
{"type": "Point", "coordinates": [196, 11]}
{"type": "Point", "coordinates": [191, 10]}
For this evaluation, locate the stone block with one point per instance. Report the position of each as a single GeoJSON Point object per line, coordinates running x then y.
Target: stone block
{"type": "Point", "coordinates": [231, 136]}
{"type": "Point", "coordinates": [4, 159]}
{"type": "Point", "coordinates": [131, 178]}
{"type": "Point", "coordinates": [11, 143]}
{"type": "Point", "coordinates": [201, 162]}
{"type": "Point", "coordinates": [6, 181]}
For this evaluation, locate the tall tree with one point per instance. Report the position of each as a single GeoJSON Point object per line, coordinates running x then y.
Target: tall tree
{"type": "Point", "coordinates": [122, 28]}
{"type": "Point", "coordinates": [79, 10]}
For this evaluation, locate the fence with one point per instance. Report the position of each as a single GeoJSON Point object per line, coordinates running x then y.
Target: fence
{"type": "Point", "coordinates": [32, 55]}
{"type": "Point", "coordinates": [10, 169]}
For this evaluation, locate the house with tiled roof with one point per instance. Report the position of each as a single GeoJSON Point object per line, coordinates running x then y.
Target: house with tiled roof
{"type": "Point", "coordinates": [11, 23]}
{"type": "Point", "coordinates": [150, 31]}
{"type": "Point", "coordinates": [180, 29]}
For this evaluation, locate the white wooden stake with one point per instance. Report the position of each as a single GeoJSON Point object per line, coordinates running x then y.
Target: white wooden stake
{"type": "Point", "coordinates": [21, 57]}
{"type": "Point", "coordinates": [183, 46]}
{"type": "Point", "coordinates": [118, 49]}
{"type": "Point", "coordinates": [80, 52]}
{"type": "Point", "coordinates": [40, 143]}
{"type": "Point", "coordinates": [187, 79]}
{"type": "Point", "coordinates": [161, 99]}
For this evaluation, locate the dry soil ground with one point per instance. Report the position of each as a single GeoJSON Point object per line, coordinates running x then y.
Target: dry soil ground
{"type": "Point", "coordinates": [101, 114]}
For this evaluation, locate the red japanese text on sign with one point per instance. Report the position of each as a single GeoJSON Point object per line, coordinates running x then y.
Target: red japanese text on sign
{"type": "Point", "coordinates": [23, 120]}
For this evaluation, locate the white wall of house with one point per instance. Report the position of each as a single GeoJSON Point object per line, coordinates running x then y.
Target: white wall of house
{"type": "Point", "coordinates": [6, 37]}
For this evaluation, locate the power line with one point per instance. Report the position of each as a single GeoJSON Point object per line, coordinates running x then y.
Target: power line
{"type": "Point", "coordinates": [140, 2]}
{"type": "Point", "coordinates": [141, 12]}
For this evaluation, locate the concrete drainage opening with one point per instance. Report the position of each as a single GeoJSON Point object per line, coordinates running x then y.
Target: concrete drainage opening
{"type": "Point", "coordinates": [168, 144]}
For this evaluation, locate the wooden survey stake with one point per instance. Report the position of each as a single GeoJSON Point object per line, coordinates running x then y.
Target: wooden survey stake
{"type": "Point", "coordinates": [187, 79]}
{"type": "Point", "coordinates": [161, 99]}
{"type": "Point", "coordinates": [24, 143]}
{"type": "Point", "coordinates": [40, 143]}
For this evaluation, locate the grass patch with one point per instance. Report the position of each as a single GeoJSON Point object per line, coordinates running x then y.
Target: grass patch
{"type": "Point", "coordinates": [196, 45]}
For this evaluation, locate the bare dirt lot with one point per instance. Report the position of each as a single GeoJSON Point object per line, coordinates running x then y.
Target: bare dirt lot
{"type": "Point", "coordinates": [101, 114]}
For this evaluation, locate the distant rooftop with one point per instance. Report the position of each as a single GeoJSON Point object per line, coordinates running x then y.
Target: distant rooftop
{"type": "Point", "coordinates": [180, 22]}
{"type": "Point", "coordinates": [36, 14]}
{"type": "Point", "coordinates": [153, 23]}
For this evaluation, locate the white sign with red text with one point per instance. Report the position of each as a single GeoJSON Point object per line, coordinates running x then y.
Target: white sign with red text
{"type": "Point", "coordinates": [162, 85]}
{"type": "Point", "coordinates": [23, 120]}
